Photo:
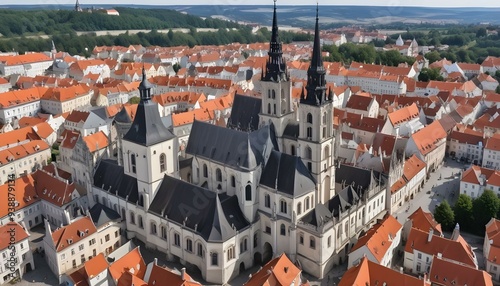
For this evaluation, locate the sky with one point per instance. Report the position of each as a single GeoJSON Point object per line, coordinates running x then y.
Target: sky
{"type": "Point", "coordinates": [389, 3]}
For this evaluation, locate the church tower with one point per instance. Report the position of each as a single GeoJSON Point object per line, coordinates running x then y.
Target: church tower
{"type": "Point", "coordinates": [77, 7]}
{"type": "Point", "coordinates": [276, 87]}
{"type": "Point", "coordinates": [149, 149]}
{"type": "Point", "coordinates": [316, 139]}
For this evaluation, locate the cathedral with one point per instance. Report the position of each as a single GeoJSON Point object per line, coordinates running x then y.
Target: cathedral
{"type": "Point", "coordinates": [266, 184]}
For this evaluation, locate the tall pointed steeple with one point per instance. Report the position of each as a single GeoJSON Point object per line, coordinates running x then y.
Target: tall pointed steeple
{"type": "Point", "coordinates": [316, 84]}
{"type": "Point", "coordinates": [77, 6]}
{"type": "Point", "coordinates": [275, 66]}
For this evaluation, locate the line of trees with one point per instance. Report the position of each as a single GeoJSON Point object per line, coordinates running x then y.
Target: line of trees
{"type": "Point", "coordinates": [471, 214]}
{"type": "Point", "coordinates": [364, 53]}
{"type": "Point", "coordinates": [83, 44]}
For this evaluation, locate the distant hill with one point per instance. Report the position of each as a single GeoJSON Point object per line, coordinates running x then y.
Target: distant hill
{"type": "Point", "coordinates": [164, 16]}
{"type": "Point", "coordinates": [304, 15]}
{"type": "Point", "coordinates": [22, 20]}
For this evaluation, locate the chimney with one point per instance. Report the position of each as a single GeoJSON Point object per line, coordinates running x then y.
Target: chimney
{"type": "Point", "coordinates": [156, 261]}
{"type": "Point", "coordinates": [456, 232]}
{"type": "Point", "coordinates": [431, 233]}
{"type": "Point", "coordinates": [401, 270]}
{"type": "Point", "coordinates": [183, 274]}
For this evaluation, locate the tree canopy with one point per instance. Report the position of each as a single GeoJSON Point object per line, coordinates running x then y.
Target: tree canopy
{"type": "Point", "coordinates": [444, 215]}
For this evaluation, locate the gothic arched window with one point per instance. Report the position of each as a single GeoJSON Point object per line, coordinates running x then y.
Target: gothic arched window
{"type": "Point", "coordinates": [163, 162]}
{"type": "Point", "coordinates": [309, 118]}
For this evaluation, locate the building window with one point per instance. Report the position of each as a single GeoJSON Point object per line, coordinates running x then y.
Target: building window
{"type": "Point", "coordinates": [308, 153]}
{"type": "Point", "coordinates": [80, 247]}
{"type": "Point", "coordinates": [163, 163]}
{"type": "Point", "coordinates": [230, 253]}
{"type": "Point", "coordinates": [309, 118]}
{"type": "Point", "coordinates": [199, 249]}
{"type": "Point", "coordinates": [419, 256]}
{"type": "Point", "coordinates": [309, 132]}
{"type": "Point", "coordinates": [282, 229]}
{"type": "Point", "coordinates": [141, 225]}
{"type": "Point", "coordinates": [243, 245]}
{"type": "Point", "coordinates": [306, 207]}
{"type": "Point", "coordinates": [132, 163]}
{"type": "Point", "coordinates": [283, 206]}
{"type": "Point", "coordinates": [163, 232]}
{"type": "Point", "coordinates": [329, 241]}
{"type": "Point", "coordinates": [189, 245]}
{"type": "Point", "coordinates": [301, 238]}
{"type": "Point", "coordinates": [106, 238]}
{"type": "Point", "coordinates": [267, 200]}
{"type": "Point", "coordinates": [205, 171]}
{"type": "Point", "coordinates": [215, 258]}
{"type": "Point", "coordinates": [299, 208]}
{"type": "Point", "coordinates": [312, 243]}
{"type": "Point", "coordinates": [218, 175]}
{"type": "Point", "coordinates": [132, 218]}
{"type": "Point", "coordinates": [255, 239]}
{"type": "Point", "coordinates": [177, 240]}
{"type": "Point", "coordinates": [153, 228]}
{"type": "Point", "coordinates": [233, 181]}
{"type": "Point", "coordinates": [248, 193]}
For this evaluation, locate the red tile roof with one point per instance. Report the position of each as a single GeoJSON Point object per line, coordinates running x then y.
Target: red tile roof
{"type": "Point", "coordinates": [131, 262]}
{"type": "Point", "coordinates": [426, 139]}
{"type": "Point", "coordinates": [404, 114]}
{"type": "Point", "coordinates": [96, 141]}
{"type": "Point", "coordinates": [6, 231]}
{"type": "Point", "coordinates": [370, 273]}
{"type": "Point", "coordinates": [448, 273]}
{"type": "Point", "coordinates": [72, 233]}
{"type": "Point", "coordinates": [450, 249]}
{"type": "Point", "coordinates": [25, 59]}
{"type": "Point", "coordinates": [164, 276]}
{"type": "Point", "coordinates": [25, 194]}
{"type": "Point", "coordinates": [277, 272]}
{"type": "Point", "coordinates": [52, 189]}
{"type": "Point", "coordinates": [378, 238]}
{"type": "Point", "coordinates": [425, 221]}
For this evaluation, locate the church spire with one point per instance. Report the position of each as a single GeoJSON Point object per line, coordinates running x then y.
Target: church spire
{"type": "Point", "coordinates": [316, 60]}
{"type": "Point", "coordinates": [145, 87]}
{"type": "Point", "coordinates": [316, 84]}
{"type": "Point", "coordinates": [275, 66]}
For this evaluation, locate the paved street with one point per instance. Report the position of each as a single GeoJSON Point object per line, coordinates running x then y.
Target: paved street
{"type": "Point", "coordinates": [442, 184]}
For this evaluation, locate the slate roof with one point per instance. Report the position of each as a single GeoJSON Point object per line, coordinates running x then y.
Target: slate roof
{"type": "Point", "coordinates": [231, 147]}
{"type": "Point", "coordinates": [101, 214]}
{"type": "Point", "coordinates": [110, 177]}
{"type": "Point", "coordinates": [287, 174]}
{"type": "Point", "coordinates": [208, 216]}
{"type": "Point", "coordinates": [291, 130]}
{"type": "Point", "coordinates": [245, 113]}
{"type": "Point", "coordinates": [147, 128]}
{"type": "Point", "coordinates": [356, 181]}
{"type": "Point", "coordinates": [123, 116]}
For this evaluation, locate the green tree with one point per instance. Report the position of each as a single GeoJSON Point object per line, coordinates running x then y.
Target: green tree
{"type": "Point", "coordinates": [444, 215]}
{"type": "Point", "coordinates": [463, 212]}
{"type": "Point", "coordinates": [433, 56]}
{"type": "Point", "coordinates": [497, 90]}
{"type": "Point", "coordinates": [484, 208]}
{"type": "Point", "coordinates": [134, 100]}
{"type": "Point", "coordinates": [481, 32]}
{"type": "Point", "coordinates": [176, 67]}
{"type": "Point", "coordinates": [427, 74]}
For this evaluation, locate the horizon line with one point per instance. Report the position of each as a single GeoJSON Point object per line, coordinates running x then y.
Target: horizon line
{"type": "Point", "coordinates": [270, 5]}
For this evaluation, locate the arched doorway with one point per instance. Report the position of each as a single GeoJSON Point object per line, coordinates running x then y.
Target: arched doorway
{"type": "Point", "coordinates": [242, 267]}
{"type": "Point", "coordinates": [268, 253]}
{"type": "Point", "coordinates": [257, 258]}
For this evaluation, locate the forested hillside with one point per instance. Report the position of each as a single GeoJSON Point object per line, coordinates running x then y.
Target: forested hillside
{"type": "Point", "coordinates": [18, 22]}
